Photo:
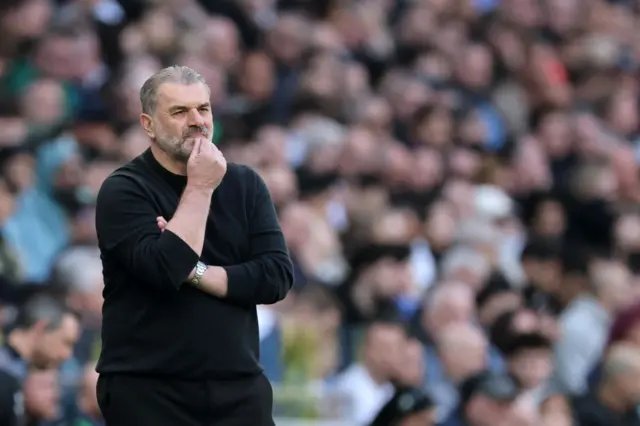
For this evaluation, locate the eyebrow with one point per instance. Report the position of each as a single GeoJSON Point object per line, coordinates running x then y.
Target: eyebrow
{"type": "Point", "coordinates": [176, 108]}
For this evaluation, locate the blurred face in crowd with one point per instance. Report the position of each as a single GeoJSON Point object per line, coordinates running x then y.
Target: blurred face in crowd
{"type": "Point", "coordinates": [627, 233]}
{"type": "Point", "coordinates": [133, 143]}
{"type": "Point", "coordinates": [287, 41]}
{"type": "Point", "coordinates": [531, 367]}
{"type": "Point", "coordinates": [42, 394]}
{"type": "Point", "coordinates": [388, 277]}
{"type": "Point", "coordinates": [19, 171]}
{"type": "Point", "coordinates": [476, 66]}
{"type": "Point", "coordinates": [549, 219]}
{"type": "Point", "coordinates": [222, 42]}
{"type": "Point", "coordinates": [183, 113]}
{"type": "Point", "coordinates": [622, 114]}
{"type": "Point", "coordinates": [427, 170]}
{"type": "Point", "coordinates": [7, 201]}
{"type": "Point", "coordinates": [282, 184]}
{"type": "Point", "coordinates": [384, 348]}
{"type": "Point", "coordinates": [629, 385]}
{"type": "Point", "coordinates": [545, 274]}
{"type": "Point", "coordinates": [258, 73]}
{"type": "Point", "coordinates": [411, 368]}
{"type": "Point", "coordinates": [463, 350]}
{"type": "Point", "coordinates": [436, 127]}
{"type": "Point", "coordinates": [554, 133]}
{"type": "Point", "coordinates": [450, 303]}
{"type": "Point", "coordinates": [612, 283]}
{"type": "Point", "coordinates": [440, 225]}
{"type": "Point", "coordinates": [42, 103]}
{"type": "Point", "coordinates": [56, 346]}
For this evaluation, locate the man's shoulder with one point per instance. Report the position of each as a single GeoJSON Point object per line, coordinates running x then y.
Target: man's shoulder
{"type": "Point", "coordinates": [241, 171]}
{"type": "Point", "coordinates": [241, 175]}
{"type": "Point", "coordinates": [129, 175]}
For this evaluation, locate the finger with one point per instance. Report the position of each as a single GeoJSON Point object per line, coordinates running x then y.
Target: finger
{"type": "Point", "coordinates": [197, 146]}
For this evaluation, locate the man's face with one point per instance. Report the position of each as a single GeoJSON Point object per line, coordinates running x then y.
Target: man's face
{"type": "Point", "coordinates": [532, 367]}
{"type": "Point", "coordinates": [56, 346]}
{"type": "Point", "coordinates": [42, 394]}
{"type": "Point", "coordinates": [183, 113]}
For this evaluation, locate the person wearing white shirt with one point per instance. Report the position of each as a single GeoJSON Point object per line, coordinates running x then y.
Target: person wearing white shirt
{"type": "Point", "coordinates": [367, 384]}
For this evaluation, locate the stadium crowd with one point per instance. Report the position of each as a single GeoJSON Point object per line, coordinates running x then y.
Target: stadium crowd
{"type": "Point", "coordinates": [457, 181]}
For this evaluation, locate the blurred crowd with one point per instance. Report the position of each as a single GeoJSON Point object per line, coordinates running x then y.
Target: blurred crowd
{"type": "Point", "coordinates": [457, 181]}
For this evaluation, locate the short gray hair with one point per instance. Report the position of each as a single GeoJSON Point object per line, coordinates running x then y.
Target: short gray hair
{"type": "Point", "coordinates": [173, 74]}
{"type": "Point", "coordinates": [78, 269]}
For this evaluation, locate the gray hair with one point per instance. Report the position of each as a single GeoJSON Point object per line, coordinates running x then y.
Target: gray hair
{"type": "Point", "coordinates": [41, 307]}
{"type": "Point", "coordinates": [174, 74]}
{"type": "Point", "coordinates": [79, 269]}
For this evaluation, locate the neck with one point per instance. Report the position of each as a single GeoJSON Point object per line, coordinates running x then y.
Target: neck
{"type": "Point", "coordinates": [175, 167]}
{"type": "Point", "coordinates": [609, 398]}
{"type": "Point", "coordinates": [374, 374]}
{"type": "Point", "coordinates": [21, 344]}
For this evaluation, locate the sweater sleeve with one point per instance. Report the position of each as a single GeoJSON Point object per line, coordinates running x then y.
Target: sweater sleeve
{"type": "Point", "coordinates": [267, 276]}
{"type": "Point", "coordinates": [129, 235]}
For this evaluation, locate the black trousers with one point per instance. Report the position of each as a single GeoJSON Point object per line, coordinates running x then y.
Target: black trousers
{"type": "Point", "coordinates": [141, 401]}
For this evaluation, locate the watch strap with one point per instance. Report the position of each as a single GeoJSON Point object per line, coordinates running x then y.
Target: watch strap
{"type": "Point", "coordinates": [199, 272]}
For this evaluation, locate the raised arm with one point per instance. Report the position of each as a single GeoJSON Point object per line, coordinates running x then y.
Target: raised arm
{"type": "Point", "coordinates": [267, 276]}
{"type": "Point", "coordinates": [127, 232]}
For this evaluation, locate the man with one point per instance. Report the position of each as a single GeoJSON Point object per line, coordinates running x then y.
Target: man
{"type": "Point", "coordinates": [42, 336]}
{"type": "Point", "coordinates": [367, 385]}
{"type": "Point", "coordinates": [180, 331]}
{"type": "Point", "coordinates": [585, 324]}
{"type": "Point", "coordinates": [486, 399]}
{"type": "Point", "coordinates": [615, 400]}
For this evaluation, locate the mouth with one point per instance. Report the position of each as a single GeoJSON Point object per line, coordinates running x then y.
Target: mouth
{"type": "Point", "coordinates": [197, 134]}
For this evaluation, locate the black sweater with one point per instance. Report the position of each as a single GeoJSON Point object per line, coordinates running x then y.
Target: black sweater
{"type": "Point", "coordinates": [152, 323]}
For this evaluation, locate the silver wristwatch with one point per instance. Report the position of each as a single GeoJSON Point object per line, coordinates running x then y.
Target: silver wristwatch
{"type": "Point", "coordinates": [197, 276]}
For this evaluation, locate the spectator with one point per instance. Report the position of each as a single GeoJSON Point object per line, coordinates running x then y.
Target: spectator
{"type": "Point", "coordinates": [368, 385]}
{"type": "Point", "coordinates": [462, 351]}
{"type": "Point", "coordinates": [615, 400]}
{"type": "Point", "coordinates": [529, 360]}
{"type": "Point", "coordinates": [485, 399]}
{"type": "Point", "coordinates": [43, 335]}
{"type": "Point", "coordinates": [585, 326]}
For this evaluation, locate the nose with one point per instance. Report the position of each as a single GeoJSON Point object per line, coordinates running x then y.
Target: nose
{"type": "Point", "coordinates": [196, 118]}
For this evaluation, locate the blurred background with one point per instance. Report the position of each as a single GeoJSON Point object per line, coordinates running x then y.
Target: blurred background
{"type": "Point", "coordinates": [457, 181]}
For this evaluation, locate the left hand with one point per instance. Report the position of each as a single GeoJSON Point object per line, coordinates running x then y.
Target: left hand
{"type": "Point", "coordinates": [162, 223]}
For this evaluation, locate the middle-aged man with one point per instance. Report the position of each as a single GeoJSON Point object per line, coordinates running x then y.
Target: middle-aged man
{"type": "Point", "coordinates": [180, 330]}
{"type": "Point", "coordinates": [42, 337]}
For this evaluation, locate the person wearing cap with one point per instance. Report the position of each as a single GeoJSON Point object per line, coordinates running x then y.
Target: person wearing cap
{"type": "Point", "coordinates": [486, 399]}
{"type": "Point", "coordinates": [407, 407]}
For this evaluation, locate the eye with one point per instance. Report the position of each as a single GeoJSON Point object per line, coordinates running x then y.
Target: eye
{"type": "Point", "coordinates": [178, 113]}
{"type": "Point", "coordinates": [204, 109]}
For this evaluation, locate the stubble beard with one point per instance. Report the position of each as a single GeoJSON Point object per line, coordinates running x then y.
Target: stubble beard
{"type": "Point", "coordinates": [177, 148]}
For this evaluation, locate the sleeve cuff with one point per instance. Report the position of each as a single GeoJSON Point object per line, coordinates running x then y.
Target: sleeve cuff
{"type": "Point", "coordinates": [180, 256]}
{"type": "Point", "coordinates": [239, 287]}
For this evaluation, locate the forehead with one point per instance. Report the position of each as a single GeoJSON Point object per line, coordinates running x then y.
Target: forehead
{"type": "Point", "coordinates": [176, 94]}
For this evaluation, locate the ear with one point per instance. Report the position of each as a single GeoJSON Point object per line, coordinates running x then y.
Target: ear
{"type": "Point", "coordinates": [147, 125]}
